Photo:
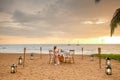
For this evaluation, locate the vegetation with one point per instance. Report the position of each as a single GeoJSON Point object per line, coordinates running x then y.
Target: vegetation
{"type": "Point", "coordinates": [111, 56]}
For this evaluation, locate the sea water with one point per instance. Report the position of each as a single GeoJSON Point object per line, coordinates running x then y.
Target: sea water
{"type": "Point", "coordinates": [35, 48]}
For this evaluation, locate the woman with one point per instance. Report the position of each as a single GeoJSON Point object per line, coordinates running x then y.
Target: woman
{"type": "Point", "coordinates": [56, 56]}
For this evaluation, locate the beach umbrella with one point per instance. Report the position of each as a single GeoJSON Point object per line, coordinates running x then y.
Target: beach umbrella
{"type": "Point", "coordinates": [13, 68]}
{"type": "Point", "coordinates": [20, 60]}
{"type": "Point", "coordinates": [108, 61]}
{"type": "Point", "coordinates": [108, 70]}
{"type": "Point", "coordinates": [31, 56]}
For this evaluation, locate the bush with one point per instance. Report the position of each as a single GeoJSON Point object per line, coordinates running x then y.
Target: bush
{"type": "Point", "coordinates": [111, 56]}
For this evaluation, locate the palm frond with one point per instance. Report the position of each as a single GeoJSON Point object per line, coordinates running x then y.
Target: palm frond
{"type": "Point", "coordinates": [115, 21]}
{"type": "Point", "coordinates": [97, 1]}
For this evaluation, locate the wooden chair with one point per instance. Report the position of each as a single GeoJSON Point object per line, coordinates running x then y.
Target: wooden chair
{"type": "Point", "coordinates": [51, 60]}
{"type": "Point", "coordinates": [69, 56]}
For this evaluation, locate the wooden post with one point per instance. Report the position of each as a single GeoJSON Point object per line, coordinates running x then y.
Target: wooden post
{"type": "Point", "coordinates": [40, 52]}
{"type": "Point", "coordinates": [99, 52]}
{"type": "Point", "coordinates": [24, 57]}
{"type": "Point", "coordinates": [82, 53]}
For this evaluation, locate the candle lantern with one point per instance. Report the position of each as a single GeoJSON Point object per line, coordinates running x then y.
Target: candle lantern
{"type": "Point", "coordinates": [91, 57]}
{"type": "Point", "coordinates": [31, 56]}
{"type": "Point", "coordinates": [13, 68]}
{"type": "Point", "coordinates": [108, 70]}
{"type": "Point", "coordinates": [20, 61]}
{"type": "Point", "coordinates": [107, 61]}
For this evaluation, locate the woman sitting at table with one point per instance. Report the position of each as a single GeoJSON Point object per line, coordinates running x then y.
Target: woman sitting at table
{"type": "Point", "coordinates": [60, 55]}
{"type": "Point", "coordinates": [55, 51]}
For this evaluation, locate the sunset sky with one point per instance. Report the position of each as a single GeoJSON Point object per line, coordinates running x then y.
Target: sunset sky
{"type": "Point", "coordinates": [57, 21]}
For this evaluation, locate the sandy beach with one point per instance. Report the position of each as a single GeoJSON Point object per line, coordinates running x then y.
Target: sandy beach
{"type": "Point", "coordinates": [40, 69]}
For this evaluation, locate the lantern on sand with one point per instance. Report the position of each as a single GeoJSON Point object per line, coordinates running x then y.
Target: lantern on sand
{"type": "Point", "coordinates": [91, 57]}
{"type": "Point", "coordinates": [13, 68]}
{"type": "Point", "coordinates": [108, 61]}
{"type": "Point", "coordinates": [31, 56]}
{"type": "Point", "coordinates": [108, 70]}
{"type": "Point", "coordinates": [20, 60]}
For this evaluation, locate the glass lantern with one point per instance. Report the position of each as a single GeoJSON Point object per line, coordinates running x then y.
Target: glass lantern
{"type": "Point", "coordinates": [13, 68]}
{"type": "Point", "coordinates": [108, 70]}
{"type": "Point", "coordinates": [108, 61]}
{"type": "Point", "coordinates": [31, 56]}
{"type": "Point", "coordinates": [91, 57]}
{"type": "Point", "coordinates": [20, 61]}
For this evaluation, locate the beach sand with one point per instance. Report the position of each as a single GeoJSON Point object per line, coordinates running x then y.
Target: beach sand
{"type": "Point", "coordinates": [40, 69]}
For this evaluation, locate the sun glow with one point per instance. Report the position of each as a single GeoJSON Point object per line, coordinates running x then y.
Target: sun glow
{"type": "Point", "coordinates": [111, 40]}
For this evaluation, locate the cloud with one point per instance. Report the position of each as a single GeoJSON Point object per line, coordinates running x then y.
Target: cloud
{"type": "Point", "coordinates": [87, 22]}
{"type": "Point", "coordinates": [95, 21]}
{"type": "Point", "coordinates": [55, 18]}
{"type": "Point", "coordinates": [21, 17]}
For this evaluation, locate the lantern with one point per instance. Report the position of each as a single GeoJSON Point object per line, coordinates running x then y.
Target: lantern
{"type": "Point", "coordinates": [107, 61]}
{"type": "Point", "coordinates": [108, 70]}
{"type": "Point", "coordinates": [91, 57]}
{"type": "Point", "coordinates": [13, 68]}
{"type": "Point", "coordinates": [31, 56]}
{"type": "Point", "coordinates": [20, 61]}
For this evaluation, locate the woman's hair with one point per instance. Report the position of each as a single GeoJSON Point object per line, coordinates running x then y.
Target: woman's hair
{"type": "Point", "coordinates": [55, 47]}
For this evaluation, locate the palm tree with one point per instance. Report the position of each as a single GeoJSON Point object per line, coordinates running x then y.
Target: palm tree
{"type": "Point", "coordinates": [115, 19]}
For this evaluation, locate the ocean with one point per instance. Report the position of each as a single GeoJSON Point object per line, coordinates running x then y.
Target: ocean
{"type": "Point", "coordinates": [35, 48]}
